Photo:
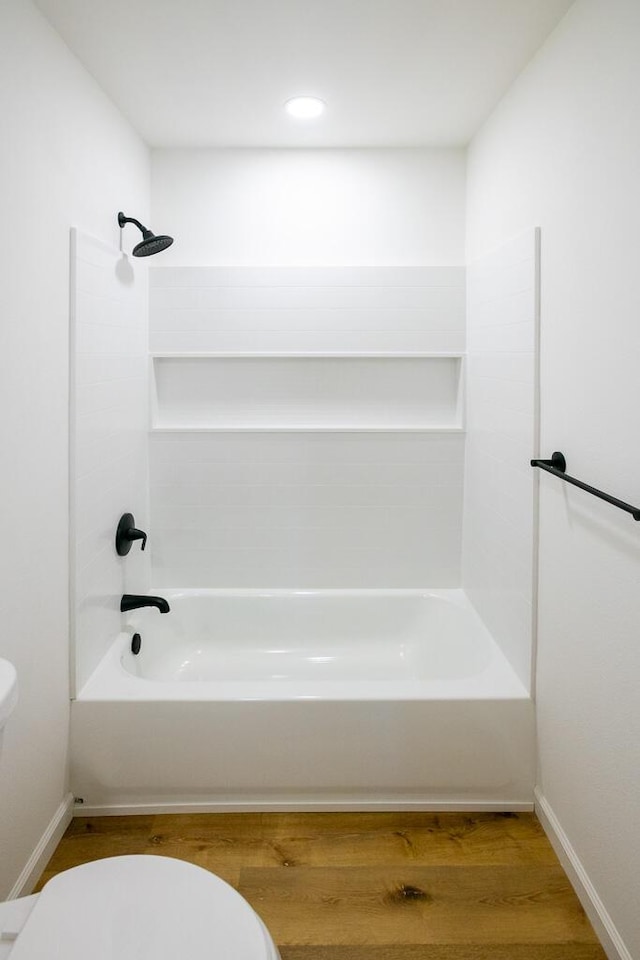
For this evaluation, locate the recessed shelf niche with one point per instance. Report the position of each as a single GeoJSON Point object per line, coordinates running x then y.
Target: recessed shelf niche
{"type": "Point", "coordinates": [314, 392]}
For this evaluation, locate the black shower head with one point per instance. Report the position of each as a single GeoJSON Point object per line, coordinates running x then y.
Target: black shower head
{"type": "Point", "coordinates": [149, 244]}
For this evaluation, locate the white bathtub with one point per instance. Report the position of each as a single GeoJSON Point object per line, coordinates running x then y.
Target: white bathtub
{"type": "Point", "coordinates": [324, 699]}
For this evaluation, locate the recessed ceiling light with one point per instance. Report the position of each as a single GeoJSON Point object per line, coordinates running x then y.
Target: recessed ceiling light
{"type": "Point", "coordinates": [305, 108]}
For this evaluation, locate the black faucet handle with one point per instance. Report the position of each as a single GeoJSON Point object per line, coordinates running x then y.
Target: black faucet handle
{"type": "Point", "coordinates": [126, 533]}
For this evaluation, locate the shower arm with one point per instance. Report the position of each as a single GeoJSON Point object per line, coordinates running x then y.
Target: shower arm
{"type": "Point", "coordinates": [122, 220]}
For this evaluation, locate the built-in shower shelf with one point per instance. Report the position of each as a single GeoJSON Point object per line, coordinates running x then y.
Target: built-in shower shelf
{"type": "Point", "coordinates": [341, 392]}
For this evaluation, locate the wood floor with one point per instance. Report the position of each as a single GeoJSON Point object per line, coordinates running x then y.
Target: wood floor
{"type": "Point", "coordinates": [382, 886]}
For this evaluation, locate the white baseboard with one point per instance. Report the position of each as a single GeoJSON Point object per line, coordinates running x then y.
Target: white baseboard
{"type": "Point", "coordinates": [43, 850]}
{"type": "Point", "coordinates": [602, 923]}
{"type": "Point", "coordinates": [300, 806]}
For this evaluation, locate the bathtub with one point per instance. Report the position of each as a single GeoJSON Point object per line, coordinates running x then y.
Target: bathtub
{"type": "Point", "coordinates": [332, 699]}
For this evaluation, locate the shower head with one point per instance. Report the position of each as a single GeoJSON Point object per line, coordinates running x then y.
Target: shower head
{"type": "Point", "coordinates": [150, 243]}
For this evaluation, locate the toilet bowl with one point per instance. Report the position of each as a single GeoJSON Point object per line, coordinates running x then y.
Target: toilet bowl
{"type": "Point", "coordinates": [134, 908]}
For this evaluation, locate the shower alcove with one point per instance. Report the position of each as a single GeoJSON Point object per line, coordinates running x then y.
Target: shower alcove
{"type": "Point", "coordinates": [311, 520]}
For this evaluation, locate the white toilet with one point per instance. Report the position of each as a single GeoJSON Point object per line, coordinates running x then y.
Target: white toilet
{"type": "Point", "coordinates": [134, 908]}
{"type": "Point", "coordinates": [129, 908]}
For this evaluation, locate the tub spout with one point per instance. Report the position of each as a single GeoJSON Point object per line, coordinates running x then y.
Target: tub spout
{"type": "Point", "coordinates": [132, 601]}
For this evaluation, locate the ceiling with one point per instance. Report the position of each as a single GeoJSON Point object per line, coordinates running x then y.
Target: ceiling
{"type": "Point", "coordinates": [199, 73]}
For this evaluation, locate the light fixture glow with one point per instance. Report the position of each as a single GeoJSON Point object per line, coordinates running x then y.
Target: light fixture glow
{"type": "Point", "coordinates": [305, 108]}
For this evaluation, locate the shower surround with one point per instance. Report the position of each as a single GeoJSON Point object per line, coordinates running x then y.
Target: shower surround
{"type": "Point", "coordinates": [307, 470]}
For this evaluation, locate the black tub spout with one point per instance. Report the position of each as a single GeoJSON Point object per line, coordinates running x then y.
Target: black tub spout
{"type": "Point", "coordinates": [133, 601]}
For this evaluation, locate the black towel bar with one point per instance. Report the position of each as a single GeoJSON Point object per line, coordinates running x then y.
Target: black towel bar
{"type": "Point", "coordinates": [558, 465]}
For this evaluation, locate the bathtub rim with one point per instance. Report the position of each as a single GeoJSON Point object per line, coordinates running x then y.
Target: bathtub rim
{"type": "Point", "coordinates": [112, 682]}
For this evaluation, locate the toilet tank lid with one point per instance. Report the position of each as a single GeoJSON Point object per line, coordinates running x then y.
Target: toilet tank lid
{"type": "Point", "coordinates": [141, 908]}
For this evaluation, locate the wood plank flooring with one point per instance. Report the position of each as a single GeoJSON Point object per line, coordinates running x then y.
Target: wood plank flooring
{"type": "Point", "coordinates": [371, 886]}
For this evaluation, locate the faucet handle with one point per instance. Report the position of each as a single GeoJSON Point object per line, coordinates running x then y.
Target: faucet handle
{"type": "Point", "coordinates": [126, 533]}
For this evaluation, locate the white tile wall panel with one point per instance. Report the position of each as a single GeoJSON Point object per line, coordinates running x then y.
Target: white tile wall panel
{"type": "Point", "coordinates": [389, 298]}
{"type": "Point", "coordinates": [299, 540]}
{"type": "Point", "coordinates": [502, 446]}
{"type": "Point", "coordinates": [503, 367]}
{"type": "Point", "coordinates": [216, 475]}
{"type": "Point", "coordinates": [502, 338]}
{"type": "Point", "coordinates": [392, 340]}
{"type": "Point", "coordinates": [291, 309]}
{"type": "Point", "coordinates": [504, 421]}
{"type": "Point", "coordinates": [518, 307]}
{"type": "Point", "coordinates": [432, 317]}
{"type": "Point", "coordinates": [339, 568]}
{"type": "Point", "coordinates": [304, 276]}
{"type": "Point", "coordinates": [502, 436]}
{"type": "Point", "coordinates": [491, 531]}
{"type": "Point", "coordinates": [512, 278]}
{"type": "Point", "coordinates": [117, 446]}
{"type": "Point", "coordinates": [109, 456]}
{"type": "Point", "coordinates": [289, 495]}
{"type": "Point", "coordinates": [117, 400]}
{"type": "Point", "coordinates": [485, 474]}
{"type": "Point", "coordinates": [98, 578]}
{"type": "Point", "coordinates": [107, 485]}
{"type": "Point", "coordinates": [99, 369]}
{"type": "Point", "coordinates": [304, 448]}
{"type": "Point", "coordinates": [359, 524]}
{"type": "Point", "coordinates": [103, 338]}
{"type": "Point", "coordinates": [301, 510]}
{"type": "Point", "coordinates": [488, 390]}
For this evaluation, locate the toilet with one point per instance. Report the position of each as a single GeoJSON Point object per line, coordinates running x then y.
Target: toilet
{"type": "Point", "coordinates": [134, 908]}
{"type": "Point", "coordinates": [130, 908]}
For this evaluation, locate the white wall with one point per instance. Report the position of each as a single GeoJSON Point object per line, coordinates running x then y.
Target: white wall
{"type": "Point", "coordinates": [562, 151]}
{"type": "Point", "coordinates": [67, 157]}
{"type": "Point", "coordinates": [305, 207]}
{"type": "Point", "coordinates": [499, 517]}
